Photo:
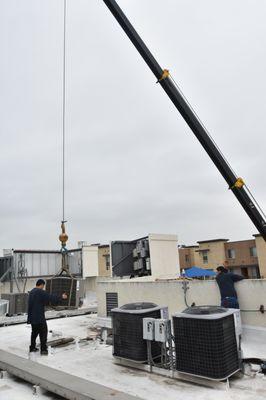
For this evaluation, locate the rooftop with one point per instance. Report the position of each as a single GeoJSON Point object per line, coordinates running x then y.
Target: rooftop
{"type": "Point", "coordinates": [189, 247]}
{"type": "Point", "coordinates": [93, 361]}
{"type": "Point", "coordinates": [213, 240]}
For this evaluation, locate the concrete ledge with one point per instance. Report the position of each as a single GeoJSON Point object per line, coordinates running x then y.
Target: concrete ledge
{"type": "Point", "coordinates": [104, 322]}
{"type": "Point", "coordinates": [52, 314]}
{"type": "Point", "coordinates": [61, 383]}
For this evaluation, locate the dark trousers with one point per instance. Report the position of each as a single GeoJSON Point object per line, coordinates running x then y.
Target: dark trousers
{"type": "Point", "coordinates": [39, 330]}
{"type": "Point", "coordinates": [230, 302]}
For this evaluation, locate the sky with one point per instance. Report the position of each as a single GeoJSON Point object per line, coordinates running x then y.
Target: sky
{"type": "Point", "coordinates": [133, 166]}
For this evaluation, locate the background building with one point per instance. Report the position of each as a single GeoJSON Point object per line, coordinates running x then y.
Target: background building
{"type": "Point", "coordinates": [154, 255]}
{"type": "Point", "coordinates": [261, 252]}
{"type": "Point", "coordinates": [19, 269]}
{"type": "Point", "coordinates": [95, 260]}
{"type": "Point", "coordinates": [246, 257]}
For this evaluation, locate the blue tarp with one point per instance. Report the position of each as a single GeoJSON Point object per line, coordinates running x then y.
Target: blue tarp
{"type": "Point", "coordinates": [196, 272]}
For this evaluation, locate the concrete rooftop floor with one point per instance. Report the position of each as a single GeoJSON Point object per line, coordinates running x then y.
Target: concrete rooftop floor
{"type": "Point", "coordinates": [93, 361]}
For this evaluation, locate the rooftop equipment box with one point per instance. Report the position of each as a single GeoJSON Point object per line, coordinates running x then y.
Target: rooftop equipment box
{"type": "Point", "coordinates": [63, 284]}
{"type": "Point", "coordinates": [127, 324]}
{"type": "Point", "coordinates": [3, 307]}
{"type": "Point", "coordinates": [18, 302]}
{"type": "Point", "coordinates": [155, 254]}
{"type": "Point", "coordinates": [206, 342]}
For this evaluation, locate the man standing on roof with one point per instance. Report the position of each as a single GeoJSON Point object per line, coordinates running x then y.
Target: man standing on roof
{"type": "Point", "coordinates": [38, 299]}
{"type": "Point", "coordinates": [226, 281]}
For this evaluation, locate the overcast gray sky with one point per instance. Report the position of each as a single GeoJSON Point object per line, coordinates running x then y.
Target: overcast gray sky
{"type": "Point", "coordinates": [133, 166]}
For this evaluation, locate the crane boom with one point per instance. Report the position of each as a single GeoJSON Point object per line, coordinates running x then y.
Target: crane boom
{"type": "Point", "coordinates": [163, 78]}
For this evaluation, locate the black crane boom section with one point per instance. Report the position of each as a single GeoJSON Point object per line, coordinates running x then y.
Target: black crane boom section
{"type": "Point", "coordinates": [191, 118]}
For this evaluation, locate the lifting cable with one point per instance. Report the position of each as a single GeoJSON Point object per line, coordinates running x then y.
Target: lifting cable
{"type": "Point", "coordinates": [63, 236]}
{"type": "Point", "coordinates": [64, 112]}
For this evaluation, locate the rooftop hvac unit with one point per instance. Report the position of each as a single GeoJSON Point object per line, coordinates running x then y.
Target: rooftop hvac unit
{"type": "Point", "coordinates": [3, 307]}
{"type": "Point", "coordinates": [128, 339]}
{"type": "Point", "coordinates": [148, 264]}
{"type": "Point", "coordinates": [135, 253]}
{"type": "Point", "coordinates": [18, 302]}
{"type": "Point", "coordinates": [206, 342]}
{"type": "Point", "coordinates": [138, 264]}
{"type": "Point", "coordinates": [139, 246]}
{"type": "Point", "coordinates": [63, 284]}
{"type": "Point", "coordinates": [146, 244]}
{"type": "Point", "coordinates": [143, 252]}
{"type": "Point", "coordinates": [142, 245]}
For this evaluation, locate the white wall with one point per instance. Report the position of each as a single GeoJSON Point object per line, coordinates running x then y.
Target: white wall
{"type": "Point", "coordinates": [42, 264]}
{"type": "Point", "coordinates": [252, 293]}
{"type": "Point", "coordinates": [90, 261]}
{"type": "Point", "coordinates": [38, 264]}
{"type": "Point", "coordinates": [164, 255]}
{"type": "Point", "coordinates": [5, 286]}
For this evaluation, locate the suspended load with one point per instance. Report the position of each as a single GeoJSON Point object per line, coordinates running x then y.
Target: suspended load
{"type": "Point", "coordinates": [63, 281]}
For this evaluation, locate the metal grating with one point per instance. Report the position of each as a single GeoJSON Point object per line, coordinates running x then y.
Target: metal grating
{"type": "Point", "coordinates": [18, 302]}
{"type": "Point", "coordinates": [128, 339]}
{"type": "Point", "coordinates": [63, 284]}
{"type": "Point", "coordinates": [206, 347]}
{"type": "Point", "coordinates": [111, 302]}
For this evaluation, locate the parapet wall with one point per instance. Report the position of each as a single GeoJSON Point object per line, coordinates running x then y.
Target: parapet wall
{"type": "Point", "coordinates": [251, 293]}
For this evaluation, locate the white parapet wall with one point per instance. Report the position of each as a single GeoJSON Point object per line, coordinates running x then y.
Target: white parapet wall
{"type": "Point", "coordinates": [30, 284]}
{"type": "Point", "coordinates": [90, 261]}
{"type": "Point", "coordinates": [164, 255]}
{"type": "Point", "coordinates": [251, 293]}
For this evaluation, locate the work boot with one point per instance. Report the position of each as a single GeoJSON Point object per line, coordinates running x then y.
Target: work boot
{"type": "Point", "coordinates": [33, 349]}
{"type": "Point", "coordinates": [44, 352]}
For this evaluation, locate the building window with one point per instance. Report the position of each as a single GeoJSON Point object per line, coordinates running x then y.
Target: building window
{"type": "Point", "coordinates": [205, 257]}
{"type": "Point", "coordinates": [253, 251]}
{"type": "Point", "coordinates": [107, 262]}
{"type": "Point", "coordinates": [231, 253]}
{"type": "Point", "coordinates": [244, 272]}
{"type": "Point", "coordinates": [187, 258]}
{"type": "Point", "coordinates": [254, 272]}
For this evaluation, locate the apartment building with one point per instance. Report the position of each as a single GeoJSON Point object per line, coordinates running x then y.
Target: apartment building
{"type": "Point", "coordinates": [261, 252]}
{"type": "Point", "coordinates": [95, 260]}
{"type": "Point", "coordinates": [246, 257]}
{"type": "Point", "coordinates": [104, 260]}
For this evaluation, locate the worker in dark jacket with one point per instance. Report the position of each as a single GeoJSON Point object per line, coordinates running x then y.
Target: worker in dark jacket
{"type": "Point", "coordinates": [226, 281]}
{"type": "Point", "coordinates": [38, 299]}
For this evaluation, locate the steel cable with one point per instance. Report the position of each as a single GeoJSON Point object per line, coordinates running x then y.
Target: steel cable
{"type": "Point", "coordinates": [64, 110]}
